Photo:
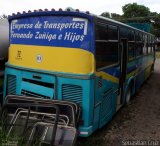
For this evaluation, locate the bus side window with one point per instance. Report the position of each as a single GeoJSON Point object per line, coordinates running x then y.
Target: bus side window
{"type": "Point", "coordinates": [101, 32]}
{"type": "Point", "coordinates": [152, 44]}
{"type": "Point", "coordinates": [106, 47]}
{"type": "Point", "coordinates": [145, 47]}
{"type": "Point", "coordinates": [131, 45]}
{"type": "Point", "coordinates": [149, 44]}
{"type": "Point", "coordinates": [106, 54]}
{"type": "Point", "coordinates": [112, 32]}
{"type": "Point", "coordinates": [129, 34]}
{"type": "Point", "coordinates": [123, 32]}
{"type": "Point", "coordinates": [139, 44]}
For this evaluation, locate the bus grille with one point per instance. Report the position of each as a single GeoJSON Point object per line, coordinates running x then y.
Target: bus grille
{"type": "Point", "coordinates": [32, 94]}
{"type": "Point", "coordinates": [72, 93]}
{"type": "Point", "coordinates": [106, 103]}
{"type": "Point", "coordinates": [11, 84]}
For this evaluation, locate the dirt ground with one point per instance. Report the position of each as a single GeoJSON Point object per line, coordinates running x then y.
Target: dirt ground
{"type": "Point", "coordinates": [136, 124]}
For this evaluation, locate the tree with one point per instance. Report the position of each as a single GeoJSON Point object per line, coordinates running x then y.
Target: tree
{"type": "Point", "coordinates": [154, 14]}
{"type": "Point", "coordinates": [115, 15]}
{"type": "Point", "coordinates": [135, 10]}
{"type": "Point", "coordinates": [3, 16]}
{"type": "Point", "coordinates": [135, 13]}
{"type": "Point", "coordinates": [106, 14]}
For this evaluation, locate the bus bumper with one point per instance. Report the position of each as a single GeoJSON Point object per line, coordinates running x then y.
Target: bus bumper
{"type": "Point", "coordinates": [85, 131]}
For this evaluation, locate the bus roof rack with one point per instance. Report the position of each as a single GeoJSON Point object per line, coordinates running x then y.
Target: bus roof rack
{"type": "Point", "coordinates": [60, 9]}
{"type": "Point", "coordinates": [69, 9]}
{"type": "Point", "coordinates": [87, 12]}
{"type": "Point", "coordinates": [52, 9]}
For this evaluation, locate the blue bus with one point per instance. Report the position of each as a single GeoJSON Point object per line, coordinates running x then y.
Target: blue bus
{"type": "Point", "coordinates": [79, 57]}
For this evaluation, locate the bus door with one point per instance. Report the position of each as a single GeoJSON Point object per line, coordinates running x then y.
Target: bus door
{"type": "Point", "coordinates": [123, 68]}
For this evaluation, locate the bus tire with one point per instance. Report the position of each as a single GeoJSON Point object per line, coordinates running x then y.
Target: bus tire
{"type": "Point", "coordinates": [128, 96]}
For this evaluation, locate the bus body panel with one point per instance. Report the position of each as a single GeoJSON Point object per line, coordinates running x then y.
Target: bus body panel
{"type": "Point", "coordinates": [51, 86]}
{"type": "Point", "coordinates": [146, 63]}
{"type": "Point", "coordinates": [58, 59]}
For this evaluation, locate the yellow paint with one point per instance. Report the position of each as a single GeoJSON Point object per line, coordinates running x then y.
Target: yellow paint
{"type": "Point", "coordinates": [147, 72]}
{"type": "Point", "coordinates": [57, 59]}
{"type": "Point", "coordinates": [132, 73]}
{"type": "Point", "coordinates": [107, 76]}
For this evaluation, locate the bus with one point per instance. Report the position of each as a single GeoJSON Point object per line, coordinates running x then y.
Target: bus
{"type": "Point", "coordinates": [95, 62]}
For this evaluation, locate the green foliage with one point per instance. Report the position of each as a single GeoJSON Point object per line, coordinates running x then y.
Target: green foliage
{"type": "Point", "coordinates": [106, 14]}
{"type": "Point", "coordinates": [135, 10]}
{"type": "Point", "coordinates": [135, 13]}
{"type": "Point", "coordinates": [3, 16]}
{"type": "Point", "coordinates": [154, 14]}
{"type": "Point", "coordinates": [115, 16]}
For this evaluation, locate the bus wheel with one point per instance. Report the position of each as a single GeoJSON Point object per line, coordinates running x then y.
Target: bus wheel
{"type": "Point", "coordinates": [128, 96]}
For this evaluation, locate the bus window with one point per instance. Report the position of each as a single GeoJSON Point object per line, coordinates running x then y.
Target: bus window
{"type": "Point", "coordinates": [149, 44]}
{"type": "Point", "coordinates": [141, 37]}
{"type": "Point", "coordinates": [123, 33]}
{"type": "Point", "coordinates": [139, 49]}
{"type": "Point", "coordinates": [145, 48]}
{"type": "Point", "coordinates": [131, 36]}
{"type": "Point", "coordinates": [149, 50]}
{"type": "Point", "coordinates": [128, 34]}
{"type": "Point", "coordinates": [131, 51]}
{"type": "Point", "coordinates": [152, 41]}
{"type": "Point", "coordinates": [139, 44]}
{"type": "Point", "coordinates": [131, 45]}
{"type": "Point", "coordinates": [101, 32]}
{"type": "Point", "coordinates": [112, 32]}
{"type": "Point", "coordinates": [106, 54]}
{"type": "Point", "coordinates": [106, 47]}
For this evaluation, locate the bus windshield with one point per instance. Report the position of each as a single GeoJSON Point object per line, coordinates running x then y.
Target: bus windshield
{"type": "Point", "coordinates": [66, 38]}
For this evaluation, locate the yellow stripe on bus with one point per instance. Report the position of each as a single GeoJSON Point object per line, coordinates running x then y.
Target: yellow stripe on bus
{"type": "Point", "coordinates": [132, 73]}
{"type": "Point", "coordinates": [58, 59]}
{"type": "Point", "coordinates": [107, 76]}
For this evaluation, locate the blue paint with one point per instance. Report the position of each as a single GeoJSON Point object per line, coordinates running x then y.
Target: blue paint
{"type": "Point", "coordinates": [114, 71]}
{"type": "Point", "coordinates": [58, 31]}
{"type": "Point", "coordinates": [24, 81]}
